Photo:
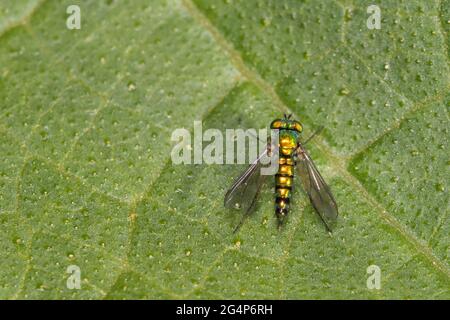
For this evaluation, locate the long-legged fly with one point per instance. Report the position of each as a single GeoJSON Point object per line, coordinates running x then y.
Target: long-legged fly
{"type": "Point", "coordinates": [245, 190]}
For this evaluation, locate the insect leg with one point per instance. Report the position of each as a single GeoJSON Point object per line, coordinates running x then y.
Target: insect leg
{"type": "Point", "coordinates": [314, 134]}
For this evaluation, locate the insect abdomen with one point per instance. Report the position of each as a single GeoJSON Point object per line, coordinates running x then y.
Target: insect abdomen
{"type": "Point", "coordinates": [283, 186]}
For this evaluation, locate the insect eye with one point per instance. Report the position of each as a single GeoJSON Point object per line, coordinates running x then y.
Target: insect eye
{"type": "Point", "coordinates": [276, 124]}
{"type": "Point", "coordinates": [297, 126]}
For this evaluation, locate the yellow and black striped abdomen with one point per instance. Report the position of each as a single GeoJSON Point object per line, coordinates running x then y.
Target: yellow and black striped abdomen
{"type": "Point", "coordinates": [285, 176]}
{"type": "Point", "coordinates": [283, 185]}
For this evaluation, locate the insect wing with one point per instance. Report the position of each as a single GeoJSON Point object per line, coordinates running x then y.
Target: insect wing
{"type": "Point", "coordinates": [318, 191]}
{"type": "Point", "coordinates": [245, 189]}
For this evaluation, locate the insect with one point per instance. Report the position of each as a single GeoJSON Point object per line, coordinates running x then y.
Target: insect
{"type": "Point", "coordinates": [246, 188]}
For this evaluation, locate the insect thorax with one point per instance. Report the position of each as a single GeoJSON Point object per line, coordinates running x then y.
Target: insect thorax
{"type": "Point", "coordinates": [287, 142]}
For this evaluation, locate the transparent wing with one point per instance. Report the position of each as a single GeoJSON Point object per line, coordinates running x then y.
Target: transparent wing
{"type": "Point", "coordinates": [318, 191]}
{"type": "Point", "coordinates": [242, 193]}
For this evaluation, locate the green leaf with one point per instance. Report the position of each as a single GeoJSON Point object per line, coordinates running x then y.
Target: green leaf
{"type": "Point", "coordinates": [86, 118]}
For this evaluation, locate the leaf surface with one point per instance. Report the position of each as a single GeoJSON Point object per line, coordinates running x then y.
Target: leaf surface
{"type": "Point", "coordinates": [86, 118]}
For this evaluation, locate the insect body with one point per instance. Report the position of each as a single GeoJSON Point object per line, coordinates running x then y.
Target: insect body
{"type": "Point", "coordinates": [289, 131]}
{"type": "Point", "coordinates": [291, 155]}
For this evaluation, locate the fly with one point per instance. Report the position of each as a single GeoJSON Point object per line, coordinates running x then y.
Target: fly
{"type": "Point", "coordinates": [292, 155]}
